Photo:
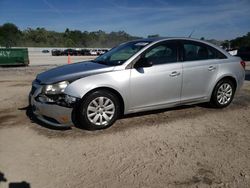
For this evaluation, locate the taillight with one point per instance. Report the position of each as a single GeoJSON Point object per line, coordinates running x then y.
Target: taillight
{"type": "Point", "coordinates": [243, 64]}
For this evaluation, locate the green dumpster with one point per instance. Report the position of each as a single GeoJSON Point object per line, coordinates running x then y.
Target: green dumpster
{"type": "Point", "coordinates": [14, 56]}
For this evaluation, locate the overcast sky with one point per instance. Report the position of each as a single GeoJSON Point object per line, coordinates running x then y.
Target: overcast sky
{"type": "Point", "coordinates": [218, 19]}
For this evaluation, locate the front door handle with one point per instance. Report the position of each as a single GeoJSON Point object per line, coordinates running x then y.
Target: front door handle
{"type": "Point", "coordinates": [211, 68]}
{"type": "Point", "coordinates": [175, 73]}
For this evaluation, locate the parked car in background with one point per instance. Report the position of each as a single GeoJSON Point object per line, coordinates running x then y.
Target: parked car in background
{"type": "Point", "coordinates": [136, 76]}
{"type": "Point", "coordinates": [56, 52]}
{"type": "Point", "coordinates": [244, 53]}
{"type": "Point", "coordinates": [71, 52]}
{"type": "Point", "coordinates": [104, 51]}
{"type": "Point", "coordinates": [98, 51]}
{"type": "Point", "coordinates": [232, 51]}
{"type": "Point", "coordinates": [45, 51]}
{"type": "Point", "coordinates": [93, 52]}
{"type": "Point", "coordinates": [101, 51]}
{"type": "Point", "coordinates": [84, 52]}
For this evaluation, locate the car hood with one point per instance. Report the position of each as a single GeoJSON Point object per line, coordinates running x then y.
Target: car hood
{"type": "Point", "coordinates": [72, 72]}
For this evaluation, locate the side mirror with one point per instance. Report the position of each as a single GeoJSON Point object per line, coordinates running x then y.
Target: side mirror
{"type": "Point", "coordinates": [143, 62]}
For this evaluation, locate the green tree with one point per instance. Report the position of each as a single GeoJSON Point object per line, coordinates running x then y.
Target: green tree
{"type": "Point", "coordinates": [40, 37]}
{"type": "Point", "coordinates": [9, 35]}
{"type": "Point", "coordinates": [69, 43]}
{"type": "Point", "coordinates": [241, 41]}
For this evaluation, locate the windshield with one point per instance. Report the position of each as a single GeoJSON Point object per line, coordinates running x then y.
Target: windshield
{"type": "Point", "coordinates": [120, 54]}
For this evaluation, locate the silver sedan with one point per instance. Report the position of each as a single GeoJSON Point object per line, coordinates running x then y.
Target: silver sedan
{"type": "Point", "coordinates": [140, 75]}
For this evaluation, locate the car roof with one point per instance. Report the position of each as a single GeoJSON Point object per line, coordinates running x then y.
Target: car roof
{"type": "Point", "coordinates": [159, 39]}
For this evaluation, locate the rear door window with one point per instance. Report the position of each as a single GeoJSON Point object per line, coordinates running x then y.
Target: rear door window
{"type": "Point", "coordinates": [194, 51]}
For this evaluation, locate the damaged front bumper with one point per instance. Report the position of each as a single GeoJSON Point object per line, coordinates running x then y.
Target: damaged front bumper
{"type": "Point", "coordinates": [53, 112]}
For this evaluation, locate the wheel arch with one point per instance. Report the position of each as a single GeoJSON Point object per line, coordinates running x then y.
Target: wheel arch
{"type": "Point", "coordinates": [229, 77]}
{"type": "Point", "coordinates": [109, 89]}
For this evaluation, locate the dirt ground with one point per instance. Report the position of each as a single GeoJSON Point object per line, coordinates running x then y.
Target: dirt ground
{"type": "Point", "coordinates": [191, 146]}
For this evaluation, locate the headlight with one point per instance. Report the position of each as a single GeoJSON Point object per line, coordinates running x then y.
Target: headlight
{"type": "Point", "coordinates": [55, 88]}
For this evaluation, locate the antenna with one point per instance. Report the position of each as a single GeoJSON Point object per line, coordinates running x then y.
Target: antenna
{"type": "Point", "coordinates": [191, 33]}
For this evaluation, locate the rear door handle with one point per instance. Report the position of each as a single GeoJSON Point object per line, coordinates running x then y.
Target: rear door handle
{"type": "Point", "coordinates": [211, 68]}
{"type": "Point", "coordinates": [175, 73]}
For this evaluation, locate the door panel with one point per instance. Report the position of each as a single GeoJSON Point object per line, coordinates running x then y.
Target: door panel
{"type": "Point", "coordinates": [200, 68]}
{"type": "Point", "coordinates": [198, 77]}
{"type": "Point", "coordinates": [156, 85]}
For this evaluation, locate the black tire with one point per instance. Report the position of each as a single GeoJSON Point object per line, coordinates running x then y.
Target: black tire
{"type": "Point", "coordinates": [85, 122]}
{"type": "Point", "coordinates": [214, 101]}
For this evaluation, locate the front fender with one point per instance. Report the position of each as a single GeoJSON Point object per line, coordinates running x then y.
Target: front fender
{"type": "Point", "coordinates": [117, 80]}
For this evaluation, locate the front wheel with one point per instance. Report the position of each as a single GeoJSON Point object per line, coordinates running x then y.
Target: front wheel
{"type": "Point", "coordinates": [223, 93]}
{"type": "Point", "coordinates": [99, 110]}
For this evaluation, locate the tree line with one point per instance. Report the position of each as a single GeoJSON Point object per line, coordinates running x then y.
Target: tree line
{"type": "Point", "coordinates": [238, 42]}
{"type": "Point", "coordinates": [11, 35]}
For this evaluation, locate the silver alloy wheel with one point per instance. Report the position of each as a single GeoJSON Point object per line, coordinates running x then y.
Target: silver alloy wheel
{"type": "Point", "coordinates": [100, 111]}
{"type": "Point", "coordinates": [224, 93]}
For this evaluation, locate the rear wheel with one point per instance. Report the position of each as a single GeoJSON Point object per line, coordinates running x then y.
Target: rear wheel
{"type": "Point", "coordinates": [99, 110]}
{"type": "Point", "coordinates": [223, 93]}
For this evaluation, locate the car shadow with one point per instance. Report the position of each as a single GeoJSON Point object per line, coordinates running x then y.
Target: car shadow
{"type": "Point", "coordinates": [151, 112]}
{"type": "Point", "coordinates": [33, 118]}
{"type": "Point", "coordinates": [247, 76]}
{"type": "Point", "coordinates": [22, 184]}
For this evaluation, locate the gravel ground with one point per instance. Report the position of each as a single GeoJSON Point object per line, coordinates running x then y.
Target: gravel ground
{"type": "Point", "coordinates": [189, 146]}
